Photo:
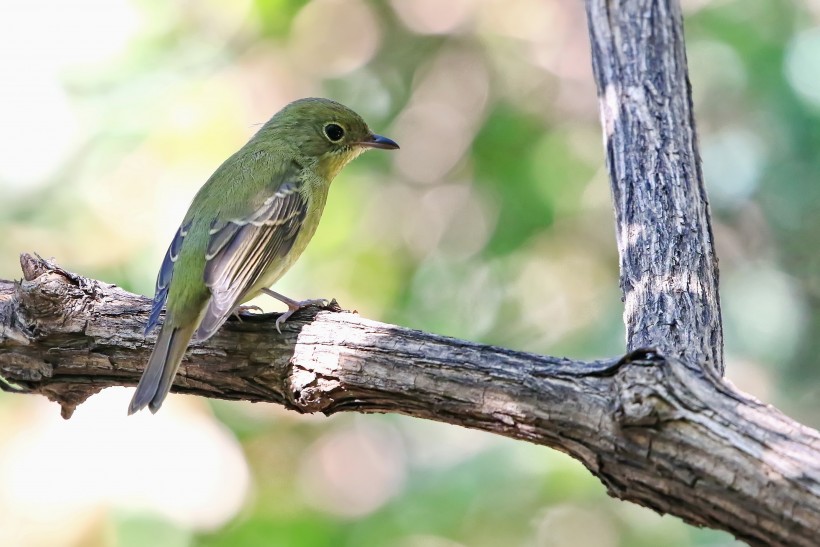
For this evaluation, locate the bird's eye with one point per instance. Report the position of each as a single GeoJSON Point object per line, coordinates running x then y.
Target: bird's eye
{"type": "Point", "coordinates": [334, 132]}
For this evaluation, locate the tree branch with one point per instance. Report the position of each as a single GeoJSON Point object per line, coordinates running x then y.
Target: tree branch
{"type": "Point", "coordinates": [656, 431]}
{"type": "Point", "coordinates": [669, 271]}
{"type": "Point", "coordinates": [659, 427]}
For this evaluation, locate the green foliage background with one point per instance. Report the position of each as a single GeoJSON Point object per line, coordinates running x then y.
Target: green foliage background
{"type": "Point", "coordinates": [493, 223]}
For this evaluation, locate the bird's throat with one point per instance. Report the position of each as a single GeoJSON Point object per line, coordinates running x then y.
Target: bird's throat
{"type": "Point", "coordinates": [331, 163]}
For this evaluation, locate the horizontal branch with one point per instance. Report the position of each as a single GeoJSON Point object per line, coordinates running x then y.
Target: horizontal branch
{"type": "Point", "coordinates": [656, 431]}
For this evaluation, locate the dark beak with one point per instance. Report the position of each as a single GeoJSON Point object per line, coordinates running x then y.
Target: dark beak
{"type": "Point", "coordinates": [377, 141]}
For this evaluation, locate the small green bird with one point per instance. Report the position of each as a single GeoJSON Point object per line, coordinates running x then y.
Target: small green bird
{"type": "Point", "coordinates": [246, 226]}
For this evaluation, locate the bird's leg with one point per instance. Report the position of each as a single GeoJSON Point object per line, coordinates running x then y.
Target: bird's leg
{"type": "Point", "coordinates": [293, 305]}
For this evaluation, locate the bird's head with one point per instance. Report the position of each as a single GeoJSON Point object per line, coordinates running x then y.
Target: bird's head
{"type": "Point", "coordinates": [327, 131]}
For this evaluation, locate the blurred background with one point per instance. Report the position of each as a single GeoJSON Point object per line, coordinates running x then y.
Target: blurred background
{"type": "Point", "coordinates": [493, 223]}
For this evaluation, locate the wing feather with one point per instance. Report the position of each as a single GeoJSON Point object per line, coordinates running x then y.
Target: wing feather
{"type": "Point", "coordinates": [240, 251]}
{"type": "Point", "coordinates": [166, 272]}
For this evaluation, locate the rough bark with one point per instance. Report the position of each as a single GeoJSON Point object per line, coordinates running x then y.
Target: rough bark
{"type": "Point", "coordinates": [656, 431]}
{"type": "Point", "coordinates": [659, 427]}
{"type": "Point", "coordinates": [668, 265]}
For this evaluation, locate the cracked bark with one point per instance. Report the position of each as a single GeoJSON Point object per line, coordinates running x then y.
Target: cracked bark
{"type": "Point", "coordinates": [668, 264]}
{"type": "Point", "coordinates": [659, 426]}
{"type": "Point", "coordinates": [656, 430]}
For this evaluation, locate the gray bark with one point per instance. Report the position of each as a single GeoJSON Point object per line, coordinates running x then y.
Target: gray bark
{"type": "Point", "coordinates": [668, 265]}
{"type": "Point", "coordinates": [657, 431]}
{"type": "Point", "coordinates": [659, 426]}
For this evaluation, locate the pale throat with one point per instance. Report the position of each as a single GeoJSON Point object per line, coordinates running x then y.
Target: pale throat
{"type": "Point", "coordinates": [331, 163]}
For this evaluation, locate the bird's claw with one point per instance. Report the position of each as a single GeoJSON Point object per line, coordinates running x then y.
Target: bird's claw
{"type": "Point", "coordinates": [245, 310]}
{"type": "Point", "coordinates": [294, 306]}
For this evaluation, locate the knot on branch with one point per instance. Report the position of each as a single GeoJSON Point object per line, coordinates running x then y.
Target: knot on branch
{"type": "Point", "coordinates": [654, 388]}
{"type": "Point", "coordinates": [314, 379]}
{"type": "Point", "coordinates": [641, 401]}
{"type": "Point", "coordinates": [69, 396]}
{"type": "Point", "coordinates": [310, 391]}
{"type": "Point", "coordinates": [50, 295]}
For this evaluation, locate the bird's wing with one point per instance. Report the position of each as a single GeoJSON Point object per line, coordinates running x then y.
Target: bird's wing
{"type": "Point", "coordinates": [164, 276]}
{"type": "Point", "coordinates": [240, 250]}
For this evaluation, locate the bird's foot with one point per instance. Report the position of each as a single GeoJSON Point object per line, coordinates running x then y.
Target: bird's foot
{"type": "Point", "coordinates": [293, 305]}
{"type": "Point", "coordinates": [239, 311]}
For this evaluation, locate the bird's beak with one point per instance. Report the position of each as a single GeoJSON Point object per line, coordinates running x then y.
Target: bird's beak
{"type": "Point", "coordinates": [377, 141]}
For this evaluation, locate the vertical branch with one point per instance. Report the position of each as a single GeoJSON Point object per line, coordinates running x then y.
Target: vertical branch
{"type": "Point", "coordinates": [669, 274]}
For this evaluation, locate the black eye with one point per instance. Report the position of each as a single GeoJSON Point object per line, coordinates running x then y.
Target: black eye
{"type": "Point", "coordinates": [334, 132]}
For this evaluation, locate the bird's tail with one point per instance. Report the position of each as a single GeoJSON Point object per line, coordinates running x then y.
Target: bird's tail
{"type": "Point", "coordinates": [161, 368]}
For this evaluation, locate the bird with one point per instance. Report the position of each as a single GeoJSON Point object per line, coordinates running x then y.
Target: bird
{"type": "Point", "coordinates": [246, 227]}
